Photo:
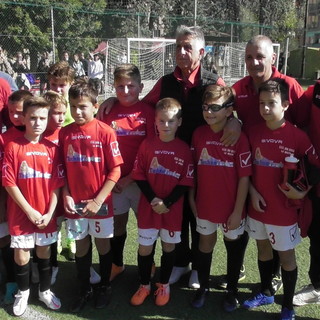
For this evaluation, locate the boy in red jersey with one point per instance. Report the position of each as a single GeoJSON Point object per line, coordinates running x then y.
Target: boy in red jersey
{"type": "Point", "coordinates": [32, 175]}
{"type": "Point", "coordinates": [271, 221]}
{"type": "Point", "coordinates": [133, 121]}
{"type": "Point", "coordinates": [220, 193]}
{"type": "Point", "coordinates": [15, 108]}
{"type": "Point", "coordinates": [163, 172]}
{"type": "Point", "coordinates": [92, 160]}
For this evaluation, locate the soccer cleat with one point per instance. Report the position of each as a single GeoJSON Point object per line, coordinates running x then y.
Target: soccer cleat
{"type": "Point", "coordinates": [142, 293]}
{"type": "Point", "coordinates": [230, 302]}
{"type": "Point", "coordinates": [242, 275]}
{"type": "Point", "coordinates": [11, 290]}
{"type": "Point", "coordinates": [199, 298]}
{"type": "Point", "coordinates": [287, 314]}
{"type": "Point", "coordinates": [276, 283]}
{"type": "Point", "coordinates": [54, 274]}
{"type": "Point", "coordinates": [258, 300]}
{"type": "Point", "coordinates": [51, 301]}
{"type": "Point", "coordinates": [194, 281]}
{"type": "Point", "coordinates": [116, 271]}
{"type": "Point", "coordinates": [81, 301]}
{"type": "Point", "coordinates": [162, 294]}
{"type": "Point", "coordinates": [177, 273]}
{"type": "Point", "coordinates": [103, 297]}
{"type": "Point", "coordinates": [306, 295]}
{"type": "Point", "coordinates": [71, 245]}
{"type": "Point", "coordinates": [94, 276]}
{"type": "Point", "coordinates": [21, 302]}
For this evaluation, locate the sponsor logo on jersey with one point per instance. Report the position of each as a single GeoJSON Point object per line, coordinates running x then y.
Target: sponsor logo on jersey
{"type": "Point", "coordinates": [245, 159]}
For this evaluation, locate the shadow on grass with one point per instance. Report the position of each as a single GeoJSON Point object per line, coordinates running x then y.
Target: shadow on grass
{"type": "Point", "coordinates": [126, 284]}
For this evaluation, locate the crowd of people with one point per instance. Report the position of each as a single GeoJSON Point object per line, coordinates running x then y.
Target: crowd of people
{"type": "Point", "coordinates": [179, 159]}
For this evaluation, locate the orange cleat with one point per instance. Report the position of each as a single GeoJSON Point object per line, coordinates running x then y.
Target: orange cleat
{"type": "Point", "coordinates": [162, 294]}
{"type": "Point", "coordinates": [141, 295]}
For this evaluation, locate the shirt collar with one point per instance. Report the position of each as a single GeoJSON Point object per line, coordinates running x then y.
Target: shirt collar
{"type": "Point", "coordinates": [193, 78]}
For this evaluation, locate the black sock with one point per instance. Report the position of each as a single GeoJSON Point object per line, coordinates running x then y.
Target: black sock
{"type": "Point", "coordinates": [276, 269]}
{"type": "Point", "coordinates": [167, 262]}
{"type": "Point", "coordinates": [22, 276]}
{"type": "Point", "coordinates": [83, 268]}
{"type": "Point", "coordinates": [105, 264]}
{"type": "Point", "coordinates": [44, 274]}
{"type": "Point", "coordinates": [203, 265]}
{"type": "Point", "coordinates": [117, 247]}
{"type": "Point", "coordinates": [145, 265]}
{"type": "Point", "coordinates": [289, 279]}
{"type": "Point", "coordinates": [265, 269]}
{"type": "Point", "coordinates": [235, 252]}
{"type": "Point", "coordinates": [8, 261]}
{"type": "Point", "coordinates": [54, 254]}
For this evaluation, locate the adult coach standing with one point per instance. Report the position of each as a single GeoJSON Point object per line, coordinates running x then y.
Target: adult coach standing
{"type": "Point", "coordinates": [187, 84]}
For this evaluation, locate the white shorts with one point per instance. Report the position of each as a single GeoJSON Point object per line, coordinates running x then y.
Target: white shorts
{"type": "Point", "coordinates": [282, 238]}
{"type": "Point", "coordinates": [4, 230]}
{"type": "Point", "coordinates": [206, 228]}
{"type": "Point", "coordinates": [78, 229]}
{"type": "Point", "coordinates": [29, 241]}
{"type": "Point", "coordinates": [128, 198]}
{"type": "Point", "coordinates": [147, 237]}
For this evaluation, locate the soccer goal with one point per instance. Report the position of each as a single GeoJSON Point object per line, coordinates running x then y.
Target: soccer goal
{"type": "Point", "coordinates": [154, 57]}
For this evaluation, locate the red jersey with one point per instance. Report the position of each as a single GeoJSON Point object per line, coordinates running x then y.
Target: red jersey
{"type": "Point", "coordinates": [132, 125]}
{"type": "Point", "coordinates": [269, 149]}
{"type": "Point", "coordinates": [10, 135]}
{"type": "Point", "coordinates": [90, 152]}
{"type": "Point", "coordinates": [247, 102]}
{"type": "Point", "coordinates": [218, 169]}
{"type": "Point", "coordinates": [164, 165]}
{"type": "Point", "coordinates": [5, 92]}
{"type": "Point", "coordinates": [52, 136]}
{"type": "Point", "coordinates": [36, 169]}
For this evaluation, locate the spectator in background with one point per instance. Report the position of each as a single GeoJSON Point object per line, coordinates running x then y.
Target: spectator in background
{"type": "Point", "coordinates": [66, 57]}
{"type": "Point", "coordinates": [5, 65]}
{"type": "Point", "coordinates": [20, 67]}
{"type": "Point", "coordinates": [95, 71]}
{"type": "Point", "coordinates": [42, 69]}
{"type": "Point", "coordinates": [77, 66]}
{"type": "Point", "coordinates": [85, 62]}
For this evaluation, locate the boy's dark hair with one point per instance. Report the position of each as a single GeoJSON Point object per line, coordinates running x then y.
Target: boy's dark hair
{"type": "Point", "coordinates": [276, 85]}
{"type": "Point", "coordinates": [61, 70]}
{"type": "Point", "coordinates": [54, 99]}
{"type": "Point", "coordinates": [128, 71]}
{"type": "Point", "coordinates": [37, 102]}
{"type": "Point", "coordinates": [215, 92]}
{"type": "Point", "coordinates": [168, 104]}
{"type": "Point", "coordinates": [84, 88]}
{"type": "Point", "coordinates": [20, 95]}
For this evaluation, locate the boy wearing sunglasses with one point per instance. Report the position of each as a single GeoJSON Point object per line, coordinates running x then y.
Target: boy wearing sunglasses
{"type": "Point", "coordinates": [217, 201]}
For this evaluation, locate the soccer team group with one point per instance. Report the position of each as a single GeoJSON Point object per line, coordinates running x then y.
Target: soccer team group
{"type": "Point", "coordinates": [179, 159]}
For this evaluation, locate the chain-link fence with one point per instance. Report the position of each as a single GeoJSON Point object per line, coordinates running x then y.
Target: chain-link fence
{"type": "Point", "coordinates": [36, 34]}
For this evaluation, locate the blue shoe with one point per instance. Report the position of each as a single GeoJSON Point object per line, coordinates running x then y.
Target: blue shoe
{"type": "Point", "coordinates": [287, 314]}
{"type": "Point", "coordinates": [258, 300]}
{"type": "Point", "coordinates": [199, 298]}
{"type": "Point", "coordinates": [11, 290]}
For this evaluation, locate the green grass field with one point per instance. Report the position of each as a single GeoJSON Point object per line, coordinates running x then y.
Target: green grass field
{"type": "Point", "coordinates": [179, 306]}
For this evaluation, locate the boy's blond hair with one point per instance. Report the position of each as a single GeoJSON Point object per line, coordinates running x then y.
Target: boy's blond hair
{"type": "Point", "coordinates": [37, 102]}
{"type": "Point", "coordinates": [61, 70]}
{"type": "Point", "coordinates": [215, 92]}
{"type": "Point", "coordinates": [127, 71]}
{"type": "Point", "coordinates": [54, 99]}
{"type": "Point", "coordinates": [168, 104]}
